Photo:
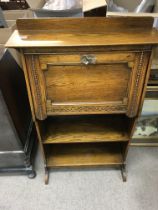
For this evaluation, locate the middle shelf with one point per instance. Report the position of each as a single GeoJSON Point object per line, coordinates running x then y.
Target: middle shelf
{"type": "Point", "coordinates": [85, 128]}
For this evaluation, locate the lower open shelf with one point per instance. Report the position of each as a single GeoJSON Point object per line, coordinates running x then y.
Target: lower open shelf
{"type": "Point", "coordinates": [87, 154]}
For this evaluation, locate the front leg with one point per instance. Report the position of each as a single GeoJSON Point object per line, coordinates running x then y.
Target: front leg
{"type": "Point", "coordinates": [124, 172]}
{"type": "Point", "coordinates": [46, 175]}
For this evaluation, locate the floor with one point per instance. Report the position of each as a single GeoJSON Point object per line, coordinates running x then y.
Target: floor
{"type": "Point", "coordinates": [86, 189]}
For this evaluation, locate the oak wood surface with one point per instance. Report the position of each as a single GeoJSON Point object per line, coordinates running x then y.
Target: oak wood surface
{"type": "Point", "coordinates": [90, 49]}
{"type": "Point", "coordinates": [85, 24]}
{"type": "Point", "coordinates": [80, 32]}
{"type": "Point", "coordinates": [89, 83]}
{"type": "Point", "coordinates": [60, 83]}
{"type": "Point", "coordinates": [96, 128]}
{"type": "Point", "coordinates": [75, 58]}
{"type": "Point", "coordinates": [52, 39]}
{"type": "Point", "coordinates": [84, 155]}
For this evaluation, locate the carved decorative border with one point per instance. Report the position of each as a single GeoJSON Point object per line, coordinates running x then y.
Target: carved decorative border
{"type": "Point", "coordinates": [53, 109]}
{"type": "Point", "coordinates": [37, 93]}
{"type": "Point", "coordinates": [136, 86]}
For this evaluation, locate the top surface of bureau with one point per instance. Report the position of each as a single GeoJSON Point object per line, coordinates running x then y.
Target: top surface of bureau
{"type": "Point", "coordinates": [60, 32]}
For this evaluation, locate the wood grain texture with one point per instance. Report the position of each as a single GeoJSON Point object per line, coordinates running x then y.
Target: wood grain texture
{"type": "Point", "coordinates": [52, 39]}
{"type": "Point", "coordinates": [35, 77]}
{"type": "Point", "coordinates": [148, 70]}
{"type": "Point", "coordinates": [137, 83]}
{"type": "Point", "coordinates": [75, 58]}
{"type": "Point", "coordinates": [85, 108]}
{"type": "Point", "coordinates": [80, 32]}
{"type": "Point", "coordinates": [85, 24]}
{"type": "Point", "coordinates": [60, 83]}
{"type": "Point", "coordinates": [89, 83]}
{"type": "Point", "coordinates": [84, 155]}
{"type": "Point", "coordinates": [96, 128]}
{"type": "Point", "coordinates": [81, 49]}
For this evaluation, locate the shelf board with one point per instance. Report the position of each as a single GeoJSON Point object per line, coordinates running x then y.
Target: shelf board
{"type": "Point", "coordinates": [77, 129]}
{"type": "Point", "coordinates": [145, 138]}
{"type": "Point", "coordinates": [88, 154]}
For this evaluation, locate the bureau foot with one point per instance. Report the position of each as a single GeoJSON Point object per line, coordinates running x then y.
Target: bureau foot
{"type": "Point", "coordinates": [46, 178]}
{"type": "Point", "coordinates": [124, 172]}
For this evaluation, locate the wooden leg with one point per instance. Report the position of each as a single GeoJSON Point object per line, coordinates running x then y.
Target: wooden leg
{"type": "Point", "coordinates": [46, 176]}
{"type": "Point", "coordinates": [123, 172]}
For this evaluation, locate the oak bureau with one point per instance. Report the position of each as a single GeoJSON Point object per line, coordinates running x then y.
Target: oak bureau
{"type": "Point", "coordinates": [86, 79]}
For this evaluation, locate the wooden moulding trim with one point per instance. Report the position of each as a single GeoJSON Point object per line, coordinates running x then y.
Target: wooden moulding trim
{"type": "Point", "coordinates": [82, 49]}
{"type": "Point", "coordinates": [133, 107]}
{"type": "Point", "coordinates": [82, 109]}
{"type": "Point", "coordinates": [148, 70]}
{"type": "Point", "coordinates": [139, 77]}
{"type": "Point", "coordinates": [37, 94]}
{"type": "Point", "coordinates": [45, 66]}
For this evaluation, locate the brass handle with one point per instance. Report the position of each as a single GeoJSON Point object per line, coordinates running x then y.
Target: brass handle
{"type": "Point", "coordinates": [88, 59]}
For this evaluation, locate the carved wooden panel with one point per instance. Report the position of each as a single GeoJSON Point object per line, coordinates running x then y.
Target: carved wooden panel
{"type": "Point", "coordinates": [139, 71]}
{"type": "Point", "coordinates": [74, 87]}
{"type": "Point", "coordinates": [37, 86]}
{"type": "Point", "coordinates": [67, 109]}
{"type": "Point", "coordinates": [64, 84]}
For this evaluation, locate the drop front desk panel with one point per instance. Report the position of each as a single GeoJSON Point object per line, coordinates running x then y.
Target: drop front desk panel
{"type": "Point", "coordinates": [86, 79]}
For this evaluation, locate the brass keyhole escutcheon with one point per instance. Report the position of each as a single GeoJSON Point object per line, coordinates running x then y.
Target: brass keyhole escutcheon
{"type": "Point", "coordinates": [88, 59]}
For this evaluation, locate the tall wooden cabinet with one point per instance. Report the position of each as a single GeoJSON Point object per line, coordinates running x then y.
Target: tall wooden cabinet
{"type": "Point", "coordinates": [17, 131]}
{"type": "Point", "coordinates": [86, 79]}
